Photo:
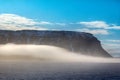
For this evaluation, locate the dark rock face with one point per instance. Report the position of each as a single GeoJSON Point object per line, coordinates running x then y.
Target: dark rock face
{"type": "Point", "coordinates": [84, 43]}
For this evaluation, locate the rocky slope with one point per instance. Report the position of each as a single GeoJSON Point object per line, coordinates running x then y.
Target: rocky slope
{"type": "Point", "coordinates": [82, 42]}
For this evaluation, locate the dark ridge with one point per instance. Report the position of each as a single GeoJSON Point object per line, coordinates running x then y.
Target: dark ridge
{"type": "Point", "coordinates": [82, 42]}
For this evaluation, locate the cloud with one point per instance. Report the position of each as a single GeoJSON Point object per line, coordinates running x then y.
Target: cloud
{"type": "Point", "coordinates": [94, 24]}
{"type": "Point", "coordinates": [111, 45]}
{"type": "Point", "coordinates": [112, 48]}
{"type": "Point", "coordinates": [97, 27]}
{"type": "Point", "coordinates": [61, 24]}
{"type": "Point", "coordinates": [16, 22]}
{"type": "Point", "coordinates": [113, 27]}
{"type": "Point", "coordinates": [12, 18]}
{"type": "Point", "coordinates": [94, 27]}
{"type": "Point", "coordinates": [96, 31]}
{"type": "Point", "coordinates": [99, 24]}
{"type": "Point", "coordinates": [114, 41]}
{"type": "Point", "coordinates": [115, 52]}
{"type": "Point", "coordinates": [45, 23]}
{"type": "Point", "coordinates": [103, 28]}
{"type": "Point", "coordinates": [51, 23]}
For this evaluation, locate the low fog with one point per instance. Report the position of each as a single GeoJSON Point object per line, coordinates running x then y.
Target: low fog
{"type": "Point", "coordinates": [45, 53]}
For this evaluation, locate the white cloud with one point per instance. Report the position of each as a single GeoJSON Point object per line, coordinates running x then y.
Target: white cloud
{"type": "Point", "coordinates": [45, 23]}
{"type": "Point", "coordinates": [115, 41]}
{"type": "Point", "coordinates": [61, 24]}
{"type": "Point", "coordinates": [16, 22]}
{"type": "Point", "coordinates": [113, 45]}
{"type": "Point", "coordinates": [112, 48]}
{"type": "Point", "coordinates": [51, 23]}
{"type": "Point", "coordinates": [102, 28]}
{"type": "Point", "coordinates": [94, 24]}
{"type": "Point", "coordinates": [98, 27]}
{"type": "Point", "coordinates": [96, 31]}
{"type": "Point", "coordinates": [99, 24]}
{"type": "Point", "coordinates": [15, 19]}
{"type": "Point", "coordinates": [115, 27]}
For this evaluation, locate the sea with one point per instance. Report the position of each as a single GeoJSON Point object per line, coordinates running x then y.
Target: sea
{"type": "Point", "coordinates": [45, 70]}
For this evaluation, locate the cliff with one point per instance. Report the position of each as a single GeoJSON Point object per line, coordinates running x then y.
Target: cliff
{"type": "Point", "coordinates": [82, 42]}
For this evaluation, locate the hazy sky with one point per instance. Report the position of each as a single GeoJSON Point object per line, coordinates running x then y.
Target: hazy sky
{"type": "Point", "coordinates": [99, 17]}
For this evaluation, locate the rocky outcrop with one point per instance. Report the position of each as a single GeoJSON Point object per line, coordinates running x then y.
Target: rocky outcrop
{"type": "Point", "coordinates": [82, 42]}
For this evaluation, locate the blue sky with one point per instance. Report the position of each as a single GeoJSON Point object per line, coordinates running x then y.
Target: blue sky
{"type": "Point", "coordinates": [99, 17]}
{"type": "Point", "coordinates": [64, 10]}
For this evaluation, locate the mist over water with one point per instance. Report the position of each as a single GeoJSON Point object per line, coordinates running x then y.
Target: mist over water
{"type": "Point", "coordinates": [45, 53]}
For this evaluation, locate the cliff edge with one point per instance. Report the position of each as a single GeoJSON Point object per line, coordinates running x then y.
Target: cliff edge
{"type": "Point", "coordinates": [82, 42]}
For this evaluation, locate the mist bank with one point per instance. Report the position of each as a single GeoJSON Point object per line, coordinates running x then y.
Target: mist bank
{"type": "Point", "coordinates": [46, 53]}
{"type": "Point", "coordinates": [78, 42]}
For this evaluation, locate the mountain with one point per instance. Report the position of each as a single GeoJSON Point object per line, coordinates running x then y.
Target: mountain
{"type": "Point", "coordinates": [82, 42]}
